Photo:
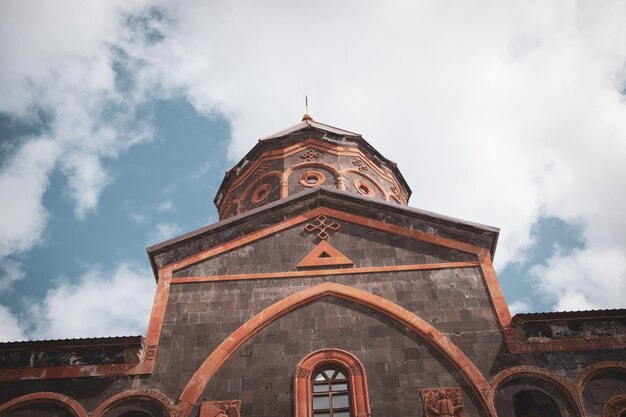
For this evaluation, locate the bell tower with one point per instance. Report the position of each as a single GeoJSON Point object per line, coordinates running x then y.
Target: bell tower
{"type": "Point", "coordinates": [307, 155]}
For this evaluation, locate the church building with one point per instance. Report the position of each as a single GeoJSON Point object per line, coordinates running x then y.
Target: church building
{"type": "Point", "coordinates": [321, 293]}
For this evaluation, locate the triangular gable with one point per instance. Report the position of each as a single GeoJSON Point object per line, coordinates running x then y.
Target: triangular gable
{"type": "Point", "coordinates": [181, 267]}
{"type": "Point", "coordinates": [324, 254]}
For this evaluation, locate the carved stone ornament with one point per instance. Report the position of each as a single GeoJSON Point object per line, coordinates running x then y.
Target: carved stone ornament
{"type": "Point", "coordinates": [150, 353]}
{"type": "Point", "coordinates": [302, 373]}
{"type": "Point", "coordinates": [263, 168]}
{"type": "Point", "coordinates": [321, 226]}
{"type": "Point", "coordinates": [310, 155]}
{"type": "Point", "coordinates": [443, 402]}
{"type": "Point", "coordinates": [221, 408]}
{"type": "Point", "coordinates": [360, 164]}
{"type": "Point", "coordinates": [355, 370]}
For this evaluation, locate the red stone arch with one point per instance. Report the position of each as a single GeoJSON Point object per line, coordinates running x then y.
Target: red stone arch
{"type": "Point", "coordinates": [345, 360]}
{"type": "Point", "coordinates": [593, 370]}
{"type": "Point", "coordinates": [536, 372]}
{"type": "Point", "coordinates": [336, 175]}
{"type": "Point", "coordinates": [615, 406]}
{"type": "Point", "coordinates": [596, 368]}
{"type": "Point", "coordinates": [64, 401]}
{"type": "Point", "coordinates": [216, 359]}
{"type": "Point", "coordinates": [254, 183]}
{"type": "Point", "coordinates": [134, 394]}
{"type": "Point", "coordinates": [379, 187]}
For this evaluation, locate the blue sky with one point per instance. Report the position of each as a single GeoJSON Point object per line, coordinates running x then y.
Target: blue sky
{"type": "Point", "coordinates": [117, 122]}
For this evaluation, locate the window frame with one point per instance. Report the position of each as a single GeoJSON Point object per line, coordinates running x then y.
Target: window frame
{"type": "Point", "coordinates": [330, 358]}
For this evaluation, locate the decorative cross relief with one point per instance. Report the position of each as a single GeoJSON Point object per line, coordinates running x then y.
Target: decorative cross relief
{"type": "Point", "coordinates": [310, 155]}
{"type": "Point", "coordinates": [263, 168]}
{"type": "Point", "coordinates": [443, 402]}
{"type": "Point", "coordinates": [360, 164]}
{"type": "Point", "coordinates": [322, 225]}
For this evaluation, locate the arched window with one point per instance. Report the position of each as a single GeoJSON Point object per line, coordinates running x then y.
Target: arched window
{"type": "Point", "coordinates": [330, 383]}
{"type": "Point", "coordinates": [331, 393]}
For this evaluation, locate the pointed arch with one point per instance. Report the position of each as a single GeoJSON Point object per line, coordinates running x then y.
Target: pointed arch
{"type": "Point", "coordinates": [64, 401]}
{"type": "Point", "coordinates": [218, 357]}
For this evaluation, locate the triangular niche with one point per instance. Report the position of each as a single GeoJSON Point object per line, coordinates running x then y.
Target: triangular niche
{"type": "Point", "coordinates": [324, 254]}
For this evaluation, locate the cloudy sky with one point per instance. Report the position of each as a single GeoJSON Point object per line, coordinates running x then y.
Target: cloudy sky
{"type": "Point", "coordinates": [118, 119]}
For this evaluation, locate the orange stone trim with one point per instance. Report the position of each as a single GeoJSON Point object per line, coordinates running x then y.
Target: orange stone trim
{"type": "Point", "coordinates": [562, 345]}
{"type": "Point", "coordinates": [364, 189]}
{"type": "Point", "coordinates": [495, 292]}
{"type": "Point", "coordinates": [564, 385]}
{"type": "Point", "coordinates": [358, 182]}
{"type": "Point", "coordinates": [302, 146]}
{"type": "Point", "coordinates": [586, 374]}
{"type": "Point", "coordinates": [314, 258]}
{"type": "Point", "coordinates": [287, 173]}
{"type": "Point", "coordinates": [135, 394]}
{"type": "Point", "coordinates": [245, 193]}
{"type": "Point", "coordinates": [64, 401]}
{"type": "Point", "coordinates": [71, 371]}
{"type": "Point", "coordinates": [596, 368]}
{"type": "Point", "coordinates": [145, 365]}
{"type": "Point", "coordinates": [155, 324]}
{"type": "Point", "coordinates": [317, 175]}
{"type": "Point", "coordinates": [216, 359]}
{"type": "Point", "coordinates": [336, 214]}
{"type": "Point", "coordinates": [299, 147]}
{"type": "Point", "coordinates": [615, 406]}
{"type": "Point", "coordinates": [261, 193]}
{"type": "Point", "coordinates": [345, 360]}
{"type": "Point", "coordinates": [325, 272]}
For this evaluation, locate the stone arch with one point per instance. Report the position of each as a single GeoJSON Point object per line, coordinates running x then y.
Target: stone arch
{"type": "Point", "coordinates": [345, 360]}
{"type": "Point", "coordinates": [249, 188]}
{"type": "Point", "coordinates": [596, 368]}
{"type": "Point", "coordinates": [540, 374]}
{"type": "Point", "coordinates": [332, 169]}
{"type": "Point", "coordinates": [431, 335]}
{"type": "Point", "coordinates": [134, 394]}
{"type": "Point", "coordinates": [370, 179]}
{"type": "Point", "coordinates": [593, 371]}
{"type": "Point", "coordinates": [534, 403]}
{"type": "Point", "coordinates": [64, 401]}
{"type": "Point", "coordinates": [615, 406]}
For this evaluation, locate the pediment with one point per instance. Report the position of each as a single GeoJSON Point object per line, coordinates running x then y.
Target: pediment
{"type": "Point", "coordinates": [330, 240]}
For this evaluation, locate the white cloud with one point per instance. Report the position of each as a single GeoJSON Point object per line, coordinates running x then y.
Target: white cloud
{"type": "Point", "coordinates": [10, 271]}
{"type": "Point", "coordinates": [520, 306]}
{"type": "Point", "coordinates": [23, 181]}
{"type": "Point", "coordinates": [496, 112]}
{"type": "Point", "coordinates": [10, 331]}
{"type": "Point", "coordinates": [99, 303]}
{"type": "Point", "coordinates": [164, 231]}
{"type": "Point", "coordinates": [62, 64]}
{"type": "Point", "coordinates": [593, 278]}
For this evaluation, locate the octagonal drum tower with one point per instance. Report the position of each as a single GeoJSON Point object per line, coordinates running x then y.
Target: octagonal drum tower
{"type": "Point", "coordinates": [307, 155]}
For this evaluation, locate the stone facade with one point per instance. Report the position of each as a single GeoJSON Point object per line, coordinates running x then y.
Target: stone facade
{"type": "Point", "coordinates": [404, 302]}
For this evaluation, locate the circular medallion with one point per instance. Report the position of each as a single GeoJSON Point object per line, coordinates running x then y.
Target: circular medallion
{"type": "Point", "coordinates": [261, 193]}
{"type": "Point", "coordinates": [312, 178]}
{"type": "Point", "coordinates": [363, 188]}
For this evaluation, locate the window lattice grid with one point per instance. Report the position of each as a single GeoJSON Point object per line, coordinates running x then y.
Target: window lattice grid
{"type": "Point", "coordinates": [331, 393]}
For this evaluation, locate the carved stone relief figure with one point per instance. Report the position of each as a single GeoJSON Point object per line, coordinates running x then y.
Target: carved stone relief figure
{"type": "Point", "coordinates": [443, 402]}
{"type": "Point", "coordinates": [221, 409]}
